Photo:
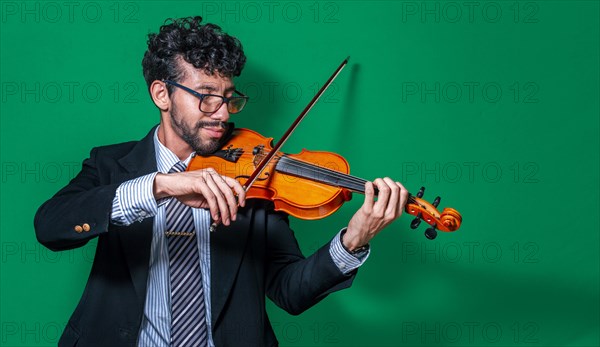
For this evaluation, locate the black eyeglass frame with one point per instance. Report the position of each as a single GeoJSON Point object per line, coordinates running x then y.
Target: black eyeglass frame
{"type": "Point", "coordinates": [202, 96]}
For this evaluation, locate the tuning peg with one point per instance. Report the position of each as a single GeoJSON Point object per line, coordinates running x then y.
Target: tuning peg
{"type": "Point", "coordinates": [436, 202]}
{"type": "Point", "coordinates": [421, 192]}
{"type": "Point", "coordinates": [431, 233]}
{"type": "Point", "coordinates": [415, 223]}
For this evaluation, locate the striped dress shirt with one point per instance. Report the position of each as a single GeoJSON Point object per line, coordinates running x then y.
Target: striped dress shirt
{"type": "Point", "coordinates": [133, 202]}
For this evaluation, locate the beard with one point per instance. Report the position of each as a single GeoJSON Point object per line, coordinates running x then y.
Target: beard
{"type": "Point", "coordinates": [190, 134]}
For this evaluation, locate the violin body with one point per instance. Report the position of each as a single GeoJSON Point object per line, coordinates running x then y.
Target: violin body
{"type": "Point", "coordinates": [294, 182]}
{"type": "Point", "coordinates": [309, 185]}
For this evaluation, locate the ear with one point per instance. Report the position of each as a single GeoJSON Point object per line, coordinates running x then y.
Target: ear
{"type": "Point", "coordinates": [160, 95]}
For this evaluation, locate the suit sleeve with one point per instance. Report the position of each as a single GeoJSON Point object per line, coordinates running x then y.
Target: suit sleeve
{"type": "Point", "coordinates": [296, 283]}
{"type": "Point", "coordinates": [78, 212]}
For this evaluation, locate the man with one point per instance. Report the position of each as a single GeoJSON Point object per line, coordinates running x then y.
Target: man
{"type": "Point", "coordinates": [159, 276]}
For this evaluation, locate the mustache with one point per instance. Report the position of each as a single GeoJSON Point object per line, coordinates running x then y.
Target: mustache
{"type": "Point", "coordinates": [211, 124]}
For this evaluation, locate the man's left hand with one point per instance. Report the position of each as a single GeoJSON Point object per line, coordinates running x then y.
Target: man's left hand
{"type": "Point", "coordinates": [374, 215]}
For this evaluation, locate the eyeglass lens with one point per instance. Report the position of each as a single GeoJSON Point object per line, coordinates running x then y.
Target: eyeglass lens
{"type": "Point", "coordinates": [211, 103]}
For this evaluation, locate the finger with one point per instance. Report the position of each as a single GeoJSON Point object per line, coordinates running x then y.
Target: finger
{"type": "Point", "coordinates": [221, 201]}
{"type": "Point", "coordinates": [239, 190]}
{"type": "Point", "coordinates": [403, 198]}
{"type": "Point", "coordinates": [382, 197]}
{"type": "Point", "coordinates": [369, 197]}
{"type": "Point", "coordinates": [227, 192]}
{"type": "Point", "coordinates": [201, 187]}
{"type": "Point", "coordinates": [391, 210]}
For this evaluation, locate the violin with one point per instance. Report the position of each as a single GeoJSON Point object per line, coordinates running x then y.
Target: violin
{"type": "Point", "coordinates": [309, 185]}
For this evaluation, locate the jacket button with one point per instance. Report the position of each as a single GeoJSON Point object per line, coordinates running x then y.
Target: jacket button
{"type": "Point", "coordinates": [78, 228]}
{"type": "Point", "coordinates": [86, 227]}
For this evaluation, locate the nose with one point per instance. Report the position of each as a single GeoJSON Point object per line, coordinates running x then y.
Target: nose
{"type": "Point", "coordinates": [222, 114]}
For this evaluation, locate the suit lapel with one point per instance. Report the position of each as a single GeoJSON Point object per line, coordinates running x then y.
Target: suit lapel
{"type": "Point", "coordinates": [136, 240]}
{"type": "Point", "coordinates": [227, 250]}
{"type": "Point", "coordinates": [142, 157]}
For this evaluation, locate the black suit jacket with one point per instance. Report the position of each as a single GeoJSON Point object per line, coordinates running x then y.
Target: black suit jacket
{"type": "Point", "coordinates": [257, 255]}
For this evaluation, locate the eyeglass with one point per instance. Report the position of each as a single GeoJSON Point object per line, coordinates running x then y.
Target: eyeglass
{"type": "Point", "coordinates": [210, 103]}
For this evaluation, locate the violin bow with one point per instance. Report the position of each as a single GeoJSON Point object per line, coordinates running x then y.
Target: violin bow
{"type": "Point", "coordinates": [267, 159]}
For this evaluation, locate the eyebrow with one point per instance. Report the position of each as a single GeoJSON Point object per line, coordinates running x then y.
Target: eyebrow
{"type": "Point", "coordinates": [210, 88]}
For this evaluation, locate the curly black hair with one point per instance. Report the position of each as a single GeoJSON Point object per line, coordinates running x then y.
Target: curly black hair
{"type": "Point", "coordinates": [205, 46]}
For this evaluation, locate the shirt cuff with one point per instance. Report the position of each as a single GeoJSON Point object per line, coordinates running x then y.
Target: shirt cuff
{"type": "Point", "coordinates": [134, 201]}
{"type": "Point", "coordinates": [345, 261]}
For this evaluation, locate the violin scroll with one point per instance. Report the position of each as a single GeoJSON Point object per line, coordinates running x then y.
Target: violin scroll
{"type": "Point", "coordinates": [448, 220]}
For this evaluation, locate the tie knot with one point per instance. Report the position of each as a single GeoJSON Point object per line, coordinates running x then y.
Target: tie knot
{"type": "Point", "coordinates": [178, 167]}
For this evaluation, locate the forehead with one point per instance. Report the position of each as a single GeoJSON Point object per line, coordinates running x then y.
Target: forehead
{"type": "Point", "coordinates": [197, 77]}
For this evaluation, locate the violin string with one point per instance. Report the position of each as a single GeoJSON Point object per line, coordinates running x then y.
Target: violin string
{"type": "Point", "coordinates": [336, 174]}
{"type": "Point", "coordinates": [350, 179]}
{"type": "Point", "coordinates": [359, 182]}
{"type": "Point", "coordinates": [342, 177]}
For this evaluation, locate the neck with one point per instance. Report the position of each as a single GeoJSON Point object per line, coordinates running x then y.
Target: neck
{"type": "Point", "coordinates": [170, 139]}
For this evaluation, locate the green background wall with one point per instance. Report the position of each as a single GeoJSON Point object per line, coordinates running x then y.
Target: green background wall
{"type": "Point", "coordinates": [491, 104]}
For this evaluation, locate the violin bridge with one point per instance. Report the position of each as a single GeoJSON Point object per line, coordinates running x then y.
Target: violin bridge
{"type": "Point", "coordinates": [259, 154]}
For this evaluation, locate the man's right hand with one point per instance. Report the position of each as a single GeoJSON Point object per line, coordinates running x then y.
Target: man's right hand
{"type": "Point", "coordinates": [203, 189]}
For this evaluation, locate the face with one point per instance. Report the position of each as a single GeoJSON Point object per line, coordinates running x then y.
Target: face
{"type": "Point", "coordinates": [200, 131]}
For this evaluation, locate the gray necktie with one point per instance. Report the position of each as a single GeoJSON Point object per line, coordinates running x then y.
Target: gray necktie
{"type": "Point", "coordinates": [188, 316]}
